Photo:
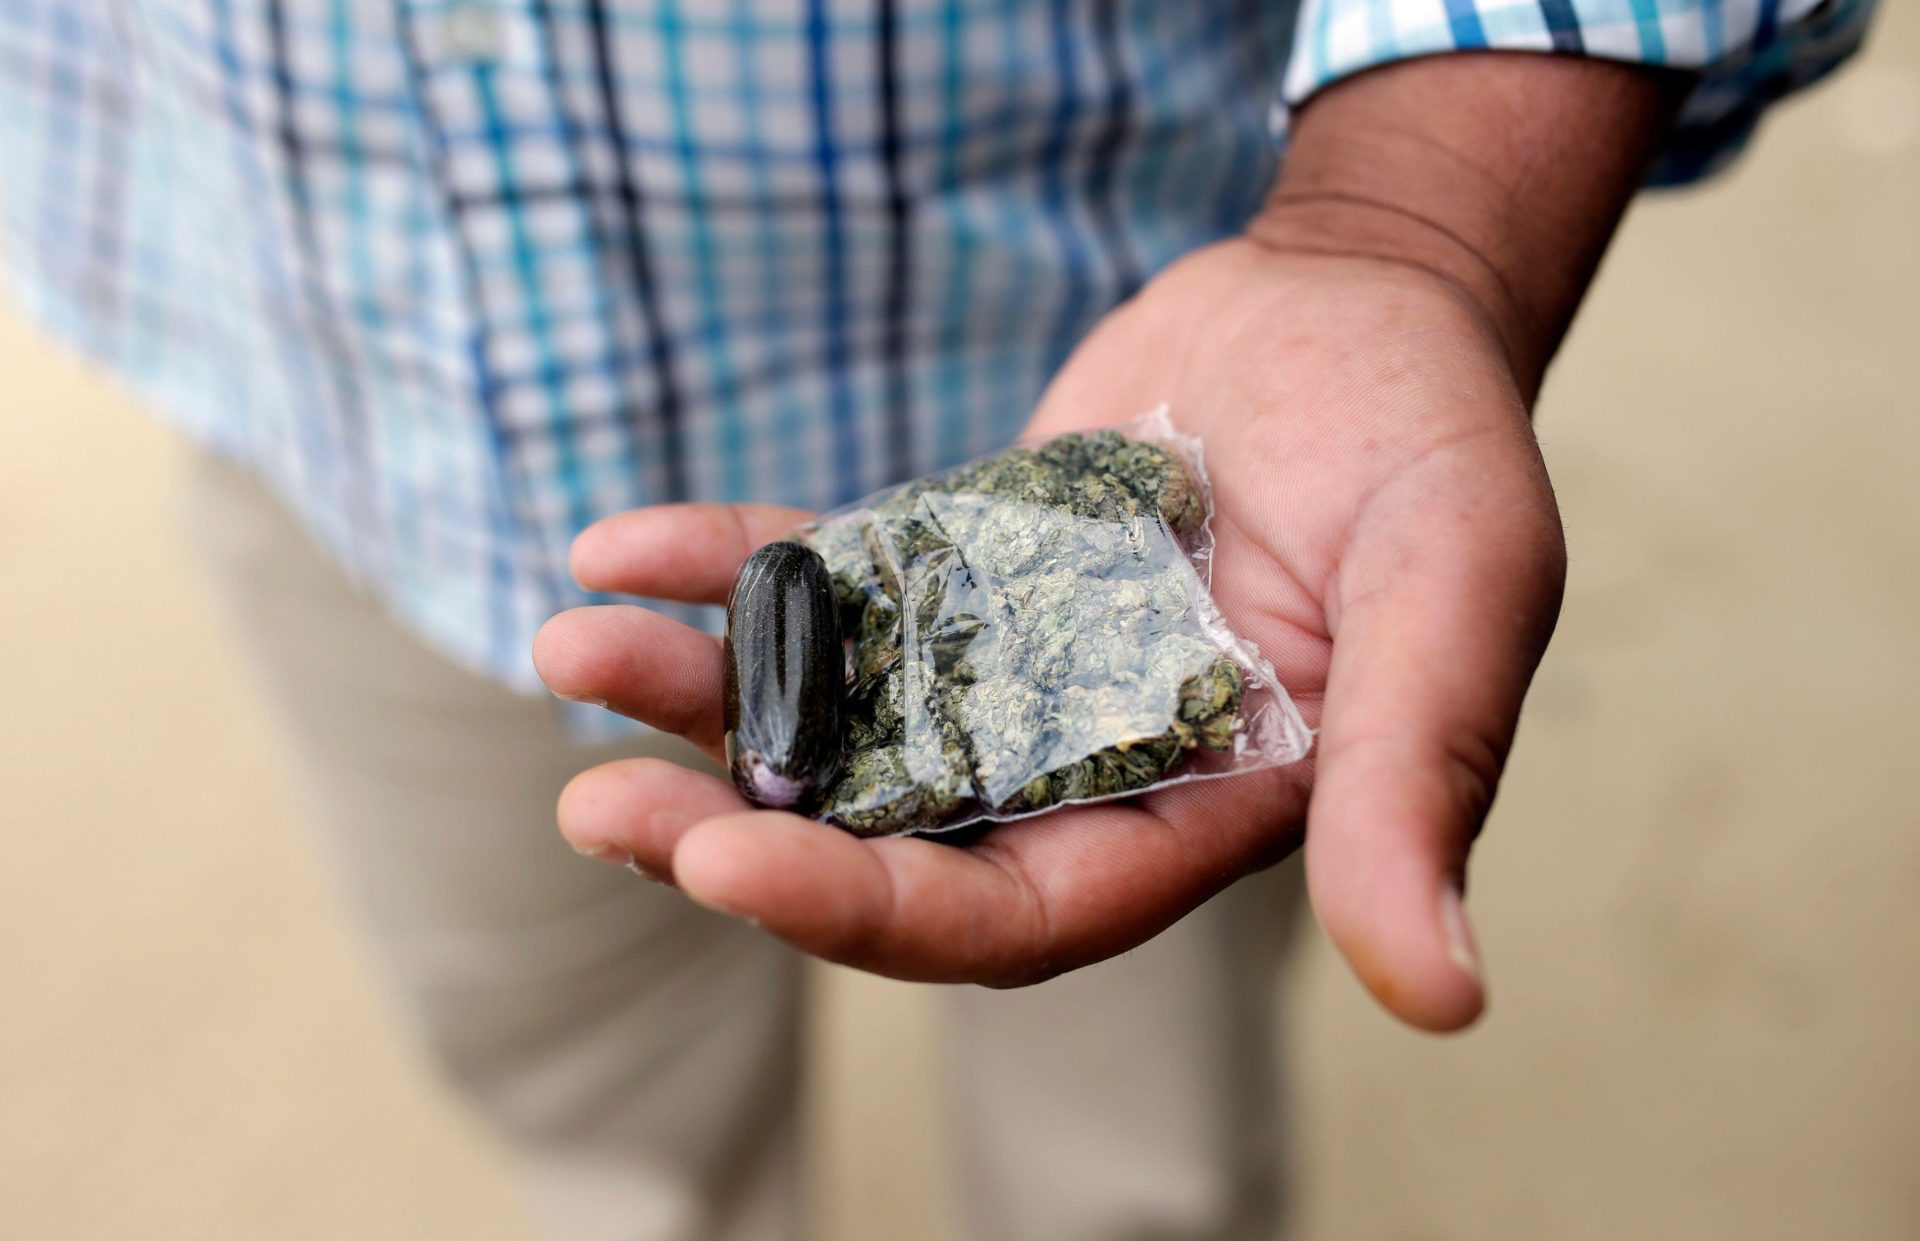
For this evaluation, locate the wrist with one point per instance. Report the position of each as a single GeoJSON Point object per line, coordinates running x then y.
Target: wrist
{"type": "Point", "coordinates": [1500, 174]}
{"type": "Point", "coordinates": [1352, 226]}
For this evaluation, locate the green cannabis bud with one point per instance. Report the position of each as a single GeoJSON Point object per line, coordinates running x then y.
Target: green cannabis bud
{"type": "Point", "coordinates": [1025, 630]}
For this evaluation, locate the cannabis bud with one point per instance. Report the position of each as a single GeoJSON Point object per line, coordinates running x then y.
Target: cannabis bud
{"type": "Point", "coordinates": [1025, 630]}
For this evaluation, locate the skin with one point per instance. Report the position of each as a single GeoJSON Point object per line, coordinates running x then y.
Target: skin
{"type": "Point", "coordinates": [1361, 366]}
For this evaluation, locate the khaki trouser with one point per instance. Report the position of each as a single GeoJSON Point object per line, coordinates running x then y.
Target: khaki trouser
{"type": "Point", "coordinates": [641, 1054]}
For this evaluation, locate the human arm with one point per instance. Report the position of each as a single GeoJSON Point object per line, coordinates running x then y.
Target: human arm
{"type": "Point", "coordinates": [1360, 364]}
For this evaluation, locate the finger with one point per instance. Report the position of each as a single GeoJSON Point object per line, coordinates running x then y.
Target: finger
{"type": "Point", "coordinates": [1430, 662]}
{"type": "Point", "coordinates": [638, 663]}
{"type": "Point", "coordinates": [1031, 900]}
{"type": "Point", "coordinates": [686, 552]}
{"type": "Point", "coordinates": [635, 810]}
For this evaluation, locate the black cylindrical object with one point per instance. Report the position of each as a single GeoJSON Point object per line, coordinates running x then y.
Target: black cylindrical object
{"type": "Point", "coordinates": [786, 677]}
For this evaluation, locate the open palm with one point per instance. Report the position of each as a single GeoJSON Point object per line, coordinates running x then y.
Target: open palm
{"type": "Point", "coordinates": [1385, 534]}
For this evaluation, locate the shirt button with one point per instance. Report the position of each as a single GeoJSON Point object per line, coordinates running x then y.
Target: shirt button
{"type": "Point", "coordinates": [475, 31]}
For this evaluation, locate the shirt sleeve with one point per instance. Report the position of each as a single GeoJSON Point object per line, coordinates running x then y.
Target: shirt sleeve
{"type": "Point", "coordinates": [1745, 53]}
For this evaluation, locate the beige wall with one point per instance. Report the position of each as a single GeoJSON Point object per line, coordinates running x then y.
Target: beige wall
{"type": "Point", "coordinates": [1698, 895]}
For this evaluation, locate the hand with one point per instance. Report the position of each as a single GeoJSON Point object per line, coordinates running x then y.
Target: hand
{"type": "Point", "coordinates": [1360, 375]}
{"type": "Point", "coordinates": [1385, 535]}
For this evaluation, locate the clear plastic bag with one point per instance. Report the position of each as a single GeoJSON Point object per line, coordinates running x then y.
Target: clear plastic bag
{"type": "Point", "coordinates": [1034, 629]}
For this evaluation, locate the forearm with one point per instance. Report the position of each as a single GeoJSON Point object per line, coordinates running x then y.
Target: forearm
{"type": "Point", "coordinates": [1503, 174]}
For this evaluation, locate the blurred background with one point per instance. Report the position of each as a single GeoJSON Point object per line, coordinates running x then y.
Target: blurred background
{"type": "Point", "coordinates": [1699, 897]}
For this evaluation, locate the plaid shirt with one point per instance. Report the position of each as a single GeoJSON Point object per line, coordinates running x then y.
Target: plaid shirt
{"type": "Point", "coordinates": [456, 277]}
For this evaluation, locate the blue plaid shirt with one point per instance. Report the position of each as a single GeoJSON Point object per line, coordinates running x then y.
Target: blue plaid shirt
{"type": "Point", "coordinates": [457, 277]}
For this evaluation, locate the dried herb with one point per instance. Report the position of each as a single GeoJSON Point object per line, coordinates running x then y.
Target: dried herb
{"type": "Point", "coordinates": [1026, 630]}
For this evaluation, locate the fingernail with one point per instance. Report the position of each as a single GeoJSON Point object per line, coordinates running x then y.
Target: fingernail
{"type": "Point", "coordinates": [621, 857]}
{"type": "Point", "coordinates": [587, 699]}
{"type": "Point", "coordinates": [647, 873]}
{"type": "Point", "coordinates": [1460, 947]}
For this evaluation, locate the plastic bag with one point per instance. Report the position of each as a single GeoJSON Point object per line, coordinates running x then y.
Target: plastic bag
{"type": "Point", "coordinates": [1034, 629]}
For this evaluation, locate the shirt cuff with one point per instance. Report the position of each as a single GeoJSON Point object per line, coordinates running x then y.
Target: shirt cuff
{"type": "Point", "coordinates": [1746, 53]}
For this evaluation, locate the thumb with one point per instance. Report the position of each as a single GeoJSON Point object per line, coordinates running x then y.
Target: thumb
{"type": "Point", "coordinates": [1444, 604]}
